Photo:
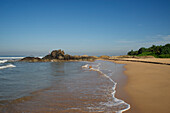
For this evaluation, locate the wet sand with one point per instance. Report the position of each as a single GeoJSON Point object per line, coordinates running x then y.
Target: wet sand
{"type": "Point", "coordinates": [77, 95]}
{"type": "Point", "coordinates": [77, 92]}
{"type": "Point", "coordinates": [148, 86]}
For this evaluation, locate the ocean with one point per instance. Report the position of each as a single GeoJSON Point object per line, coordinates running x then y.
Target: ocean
{"type": "Point", "coordinates": [59, 87]}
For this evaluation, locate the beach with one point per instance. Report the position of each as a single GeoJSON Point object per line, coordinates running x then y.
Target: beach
{"type": "Point", "coordinates": [147, 85]}
{"type": "Point", "coordinates": [74, 87]}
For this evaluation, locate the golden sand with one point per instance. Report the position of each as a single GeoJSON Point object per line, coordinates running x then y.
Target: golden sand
{"type": "Point", "coordinates": [148, 86]}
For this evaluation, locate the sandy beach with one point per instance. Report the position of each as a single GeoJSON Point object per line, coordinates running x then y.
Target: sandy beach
{"type": "Point", "coordinates": [147, 86]}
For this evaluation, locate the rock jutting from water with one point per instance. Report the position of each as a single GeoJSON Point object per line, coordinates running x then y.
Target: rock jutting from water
{"type": "Point", "coordinates": [58, 56]}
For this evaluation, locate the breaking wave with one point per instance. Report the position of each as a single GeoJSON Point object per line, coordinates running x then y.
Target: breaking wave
{"type": "Point", "coordinates": [3, 61]}
{"type": "Point", "coordinates": [11, 58]}
{"type": "Point", "coordinates": [7, 66]}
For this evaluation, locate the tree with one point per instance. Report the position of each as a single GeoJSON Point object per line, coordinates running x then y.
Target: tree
{"type": "Point", "coordinates": [165, 49]}
{"type": "Point", "coordinates": [133, 52]}
{"type": "Point", "coordinates": [130, 52]}
{"type": "Point", "coordinates": [157, 51]}
{"type": "Point", "coordinates": [141, 50]}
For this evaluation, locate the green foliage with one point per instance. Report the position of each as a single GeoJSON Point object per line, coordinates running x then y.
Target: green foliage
{"type": "Point", "coordinates": [165, 49]}
{"type": "Point", "coordinates": [164, 56]}
{"type": "Point", "coordinates": [141, 50]}
{"type": "Point", "coordinates": [145, 54]}
{"type": "Point", "coordinates": [133, 52]}
{"type": "Point", "coordinates": [156, 51]}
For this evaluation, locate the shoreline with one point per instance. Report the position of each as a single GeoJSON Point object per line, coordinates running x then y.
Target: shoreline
{"type": "Point", "coordinates": [163, 61]}
{"type": "Point", "coordinates": [147, 86]}
{"type": "Point", "coordinates": [120, 84]}
{"type": "Point", "coordinates": [122, 81]}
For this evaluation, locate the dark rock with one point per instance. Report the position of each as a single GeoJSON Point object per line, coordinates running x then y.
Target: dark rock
{"type": "Point", "coordinates": [31, 59]}
{"type": "Point", "coordinates": [76, 57]}
{"type": "Point", "coordinates": [47, 57]}
{"type": "Point", "coordinates": [67, 57]}
{"type": "Point", "coordinates": [57, 54]}
{"type": "Point", "coordinates": [46, 60]}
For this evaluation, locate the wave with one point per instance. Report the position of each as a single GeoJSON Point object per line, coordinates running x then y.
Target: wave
{"type": "Point", "coordinates": [11, 57]}
{"type": "Point", "coordinates": [3, 61]}
{"type": "Point", "coordinates": [7, 66]}
{"type": "Point", "coordinates": [117, 102]}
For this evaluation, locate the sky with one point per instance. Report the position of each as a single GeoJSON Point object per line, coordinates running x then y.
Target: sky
{"type": "Point", "coordinates": [92, 27]}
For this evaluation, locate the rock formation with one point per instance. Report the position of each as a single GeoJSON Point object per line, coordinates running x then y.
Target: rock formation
{"type": "Point", "coordinates": [59, 55]}
{"type": "Point", "coordinates": [104, 57]}
{"type": "Point", "coordinates": [31, 59]}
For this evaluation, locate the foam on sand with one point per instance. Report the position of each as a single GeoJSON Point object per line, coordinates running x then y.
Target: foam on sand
{"type": "Point", "coordinates": [7, 66]}
{"type": "Point", "coordinates": [116, 102]}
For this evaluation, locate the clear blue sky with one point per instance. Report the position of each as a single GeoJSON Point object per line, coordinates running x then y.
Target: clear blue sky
{"type": "Point", "coordinates": [93, 27]}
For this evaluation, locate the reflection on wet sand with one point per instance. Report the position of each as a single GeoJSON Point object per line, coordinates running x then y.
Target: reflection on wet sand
{"type": "Point", "coordinates": [73, 90]}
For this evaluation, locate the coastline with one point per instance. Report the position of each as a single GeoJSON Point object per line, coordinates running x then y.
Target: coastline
{"type": "Point", "coordinates": [147, 87]}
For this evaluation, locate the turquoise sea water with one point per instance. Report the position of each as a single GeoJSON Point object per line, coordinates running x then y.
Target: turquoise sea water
{"type": "Point", "coordinates": [59, 87]}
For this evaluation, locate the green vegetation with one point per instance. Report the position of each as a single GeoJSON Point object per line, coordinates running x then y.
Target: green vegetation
{"type": "Point", "coordinates": [156, 51]}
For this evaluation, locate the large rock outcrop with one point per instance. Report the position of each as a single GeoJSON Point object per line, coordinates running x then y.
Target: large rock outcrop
{"type": "Point", "coordinates": [59, 55]}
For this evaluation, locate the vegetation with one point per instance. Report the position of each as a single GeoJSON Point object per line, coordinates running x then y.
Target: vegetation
{"type": "Point", "coordinates": [156, 51]}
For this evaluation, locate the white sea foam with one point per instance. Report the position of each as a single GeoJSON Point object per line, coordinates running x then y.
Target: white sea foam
{"type": "Point", "coordinates": [116, 102]}
{"type": "Point", "coordinates": [11, 57]}
{"type": "Point", "coordinates": [85, 66]}
{"type": "Point", "coordinates": [7, 66]}
{"type": "Point", "coordinates": [3, 61]}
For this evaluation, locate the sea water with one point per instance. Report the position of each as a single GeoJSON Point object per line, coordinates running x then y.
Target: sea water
{"type": "Point", "coordinates": [59, 87]}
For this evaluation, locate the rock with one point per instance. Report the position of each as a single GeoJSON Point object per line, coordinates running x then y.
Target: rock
{"type": "Point", "coordinates": [71, 57]}
{"type": "Point", "coordinates": [89, 58]}
{"type": "Point", "coordinates": [47, 57]}
{"type": "Point", "coordinates": [57, 56]}
{"type": "Point", "coordinates": [104, 57]}
{"type": "Point", "coordinates": [55, 60]}
{"type": "Point", "coordinates": [31, 59]}
{"type": "Point", "coordinates": [67, 57]}
{"type": "Point", "coordinates": [76, 57]}
{"type": "Point", "coordinates": [84, 55]}
{"type": "Point", "coordinates": [61, 57]}
{"type": "Point", "coordinates": [57, 53]}
{"type": "Point", "coordinates": [95, 57]}
{"type": "Point", "coordinates": [46, 60]}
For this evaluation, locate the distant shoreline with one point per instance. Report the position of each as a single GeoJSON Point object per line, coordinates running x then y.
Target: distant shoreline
{"type": "Point", "coordinates": [165, 61]}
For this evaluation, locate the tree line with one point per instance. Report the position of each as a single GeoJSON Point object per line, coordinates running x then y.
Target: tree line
{"type": "Point", "coordinates": [156, 51]}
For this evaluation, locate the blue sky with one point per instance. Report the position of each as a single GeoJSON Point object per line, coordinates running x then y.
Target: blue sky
{"type": "Point", "coordinates": [93, 27]}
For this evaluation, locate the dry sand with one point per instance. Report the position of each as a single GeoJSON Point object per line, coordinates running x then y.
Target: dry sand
{"type": "Point", "coordinates": [148, 86]}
